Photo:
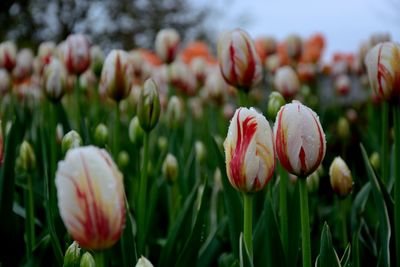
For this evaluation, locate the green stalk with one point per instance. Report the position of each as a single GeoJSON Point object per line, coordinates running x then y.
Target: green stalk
{"type": "Point", "coordinates": [29, 218]}
{"type": "Point", "coordinates": [78, 105]}
{"type": "Point", "coordinates": [343, 209]}
{"type": "Point", "coordinates": [142, 195]}
{"type": "Point", "coordinates": [385, 162]}
{"type": "Point", "coordinates": [396, 112]}
{"type": "Point", "coordinates": [283, 207]}
{"type": "Point", "coordinates": [116, 131]}
{"type": "Point", "coordinates": [242, 97]}
{"type": "Point", "coordinates": [248, 223]}
{"type": "Point", "coordinates": [99, 259]}
{"type": "Point", "coordinates": [53, 158]}
{"type": "Point", "coordinates": [305, 222]}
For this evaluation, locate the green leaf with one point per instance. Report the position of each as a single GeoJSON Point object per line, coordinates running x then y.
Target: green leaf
{"type": "Point", "coordinates": [244, 257]}
{"type": "Point", "coordinates": [129, 254]}
{"type": "Point", "coordinates": [327, 255]}
{"type": "Point", "coordinates": [345, 260]}
{"type": "Point", "coordinates": [233, 204]}
{"type": "Point", "coordinates": [384, 223]}
{"type": "Point", "coordinates": [268, 248]}
{"type": "Point", "coordinates": [358, 207]}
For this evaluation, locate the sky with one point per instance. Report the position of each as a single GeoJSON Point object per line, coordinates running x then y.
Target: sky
{"type": "Point", "coordinates": [345, 23]}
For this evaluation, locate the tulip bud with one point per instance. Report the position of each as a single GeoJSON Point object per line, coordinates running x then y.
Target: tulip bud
{"type": "Point", "coordinates": [87, 260]}
{"type": "Point", "coordinates": [5, 82]}
{"type": "Point", "coordinates": [27, 158]}
{"type": "Point", "coordinates": [238, 60]}
{"type": "Point", "coordinates": [275, 102]}
{"type": "Point", "coordinates": [8, 54]}
{"type": "Point", "coordinates": [166, 44]}
{"type": "Point", "coordinates": [313, 182]}
{"type": "Point", "coordinates": [96, 60]}
{"type": "Point", "coordinates": [143, 262]}
{"type": "Point", "coordinates": [77, 53]}
{"type": "Point", "coordinates": [115, 77]}
{"type": "Point", "coordinates": [71, 140]}
{"type": "Point", "coordinates": [342, 85]}
{"type": "Point", "coordinates": [162, 143]}
{"type": "Point", "coordinates": [287, 82]}
{"type": "Point", "coordinates": [24, 64]}
{"type": "Point", "coordinates": [149, 106]}
{"type": "Point", "coordinates": [299, 139]}
{"type": "Point", "coordinates": [249, 151]}
{"type": "Point", "coordinates": [199, 67]}
{"type": "Point", "coordinates": [340, 177]}
{"type": "Point", "coordinates": [54, 80]}
{"type": "Point", "coordinates": [170, 168]}
{"type": "Point", "coordinates": [175, 112]}
{"type": "Point", "coordinates": [294, 46]}
{"type": "Point", "coordinates": [218, 180]}
{"type": "Point", "coordinates": [123, 159]}
{"type": "Point", "coordinates": [272, 63]}
{"type": "Point", "coordinates": [72, 256]}
{"type": "Point", "coordinates": [375, 161]}
{"type": "Point", "coordinates": [343, 128]}
{"type": "Point", "coordinates": [383, 66]}
{"type": "Point", "coordinates": [101, 135]}
{"type": "Point", "coordinates": [200, 151]}
{"type": "Point", "coordinates": [136, 132]}
{"type": "Point", "coordinates": [91, 200]}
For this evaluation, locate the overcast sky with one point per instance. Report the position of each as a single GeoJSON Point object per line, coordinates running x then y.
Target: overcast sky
{"type": "Point", "coordinates": [345, 23]}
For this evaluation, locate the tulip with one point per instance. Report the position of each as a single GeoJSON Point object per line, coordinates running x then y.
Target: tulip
{"type": "Point", "coordinates": [272, 63]}
{"type": "Point", "coordinates": [249, 151]}
{"type": "Point", "coordinates": [71, 140]}
{"type": "Point", "coordinates": [26, 158]}
{"type": "Point", "coordinates": [87, 260]}
{"type": "Point", "coordinates": [5, 82]}
{"type": "Point", "coordinates": [200, 151]}
{"type": "Point", "coordinates": [123, 159]}
{"type": "Point", "coordinates": [8, 54]}
{"type": "Point", "coordinates": [175, 112]}
{"type": "Point", "coordinates": [383, 66]}
{"type": "Point", "coordinates": [136, 132]}
{"type": "Point", "coordinates": [216, 88]}
{"type": "Point", "coordinates": [342, 84]}
{"type": "Point", "coordinates": [101, 135]}
{"type": "Point", "coordinates": [54, 80]}
{"type": "Point", "coordinates": [72, 256]}
{"type": "Point", "coordinates": [343, 128]}
{"type": "Point", "coordinates": [77, 53]}
{"type": "Point", "coordinates": [294, 46]}
{"type": "Point", "coordinates": [199, 67]}
{"type": "Point", "coordinates": [239, 62]}
{"type": "Point", "coordinates": [143, 262]}
{"type": "Point", "coordinates": [96, 59]}
{"type": "Point", "coordinates": [115, 79]}
{"type": "Point", "coordinates": [265, 46]}
{"type": "Point", "coordinates": [299, 139]}
{"type": "Point", "coordinates": [167, 44]}
{"type": "Point", "coordinates": [24, 64]}
{"type": "Point", "coordinates": [91, 197]}
{"type": "Point", "coordinates": [149, 106]}
{"type": "Point", "coordinates": [275, 102]}
{"type": "Point", "coordinates": [182, 78]}
{"type": "Point", "coordinates": [170, 168]}
{"type": "Point", "coordinates": [340, 177]}
{"type": "Point", "coordinates": [287, 82]}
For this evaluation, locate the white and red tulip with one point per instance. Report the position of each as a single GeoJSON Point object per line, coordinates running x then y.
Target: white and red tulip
{"type": "Point", "coordinates": [287, 82]}
{"type": "Point", "coordinates": [54, 79]}
{"type": "Point", "coordinates": [167, 44]}
{"type": "Point", "coordinates": [8, 54]}
{"type": "Point", "coordinates": [249, 151]}
{"type": "Point", "coordinates": [299, 139]}
{"type": "Point", "coordinates": [77, 53]}
{"type": "Point", "coordinates": [91, 197]}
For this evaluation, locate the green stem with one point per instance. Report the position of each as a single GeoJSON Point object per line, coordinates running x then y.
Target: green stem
{"type": "Point", "coordinates": [248, 223]}
{"type": "Point", "coordinates": [385, 162]}
{"type": "Point", "coordinates": [99, 259]}
{"type": "Point", "coordinates": [242, 98]}
{"type": "Point", "coordinates": [283, 206]}
{"type": "Point", "coordinates": [29, 218]}
{"type": "Point", "coordinates": [305, 222]}
{"type": "Point", "coordinates": [116, 131]}
{"type": "Point", "coordinates": [142, 195]}
{"type": "Point", "coordinates": [78, 104]}
{"type": "Point", "coordinates": [396, 112]}
{"type": "Point", "coordinates": [343, 209]}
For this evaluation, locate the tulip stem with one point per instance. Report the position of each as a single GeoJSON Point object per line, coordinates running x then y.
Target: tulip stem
{"type": "Point", "coordinates": [242, 97]}
{"type": "Point", "coordinates": [283, 206]}
{"type": "Point", "coordinates": [29, 217]}
{"type": "Point", "coordinates": [99, 259]}
{"type": "Point", "coordinates": [396, 111]}
{"type": "Point", "coordinates": [343, 209]}
{"type": "Point", "coordinates": [385, 143]}
{"type": "Point", "coordinates": [116, 131]}
{"type": "Point", "coordinates": [305, 222]}
{"type": "Point", "coordinates": [248, 223]}
{"type": "Point", "coordinates": [142, 195]}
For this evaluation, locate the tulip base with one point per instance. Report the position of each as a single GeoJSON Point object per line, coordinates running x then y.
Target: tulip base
{"type": "Point", "coordinates": [305, 222]}
{"type": "Point", "coordinates": [248, 223]}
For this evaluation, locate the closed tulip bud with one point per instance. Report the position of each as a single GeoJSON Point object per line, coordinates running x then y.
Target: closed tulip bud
{"type": "Point", "coordinates": [71, 140]}
{"type": "Point", "coordinates": [375, 161]}
{"type": "Point", "coordinates": [199, 67]}
{"type": "Point", "coordinates": [342, 85]}
{"type": "Point", "coordinates": [249, 151]}
{"type": "Point", "coordinates": [200, 151]}
{"type": "Point", "coordinates": [239, 62]}
{"type": "Point", "coordinates": [115, 79]}
{"type": "Point", "coordinates": [275, 102]}
{"type": "Point", "coordinates": [54, 80]}
{"type": "Point", "coordinates": [8, 54]}
{"type": "Point", "coordinates": [96, 59]}
{"type": "Point", "coordinates": [101, 135]}
{"type": "Point", "coordinates": [294, 46]}
{"type": "Point", "coordinates": [313, 182]}
{"type": "Point", "coordinates": [343, 128]}
{"type": "Point", "coordinates": [123, 159]}
{"type": "Point", "coordinates": [91, 200]}
{"type": "Point", "coordinates": [5, 82]}
{"type": "Point", "coordinates": [27, 158]}
{"type": "Point", "coordinates": [77, 53]}
{"type": "Point", "coordinates": [170, 168]}
{"type": "Point", "coordinates": [136, 132]}
{"type": "Point", "coordinates": [72, 256]}
{"type": "Point", "coordinates": [175, 112]}
{"type": "Point", "coordinates": [143, 262]}
{"type": "Point", "coordinates": [287, 82]}
{"type": "Point", "coordinates": [149, 106]}
{"type": "Point", "coordinates": [167, 44]}
{"type": "Point", "coordinates": [272, 63]}
{"type": "Point", "coordinates": [87, 260]}
{"type": "Point", "coordinates": [162, 143]}
{"type": "Point", "coordinates": [383, 66]}
{"type": "Point", "coordinates": [299, 139]}
{"type": "Point", "coordinates": [340, 177]}
{"type": "Point", "coordinates": [24, 64]}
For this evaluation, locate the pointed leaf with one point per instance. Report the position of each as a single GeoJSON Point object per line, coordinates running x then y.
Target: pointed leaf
{"type": "Point", "coordinates": [327, 255]}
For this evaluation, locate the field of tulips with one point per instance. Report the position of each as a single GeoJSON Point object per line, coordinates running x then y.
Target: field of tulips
{"type": "Point", "coordinates": [260, 154]}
